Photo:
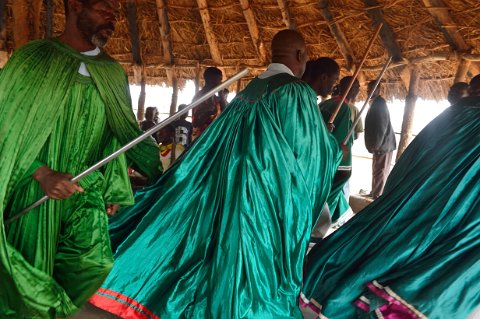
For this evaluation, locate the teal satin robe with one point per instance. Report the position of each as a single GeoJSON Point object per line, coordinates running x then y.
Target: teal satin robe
{"type": "Point", "coordinates": [224, 232]}
{"type": "Point", "coordinates": [421, 238]}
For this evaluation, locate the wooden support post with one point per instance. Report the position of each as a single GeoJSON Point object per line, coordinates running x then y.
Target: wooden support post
{"type": "Point", "coordinates": [462, 70]}
{"type": "Point", "coordinates": [198, 76]}
{"type": "Point", "coordinates": [408, 115]}
{"type": "Point", "coordinates": [49, 22]}
{"type": "Point", "coordinates": [139, 75]}
{"type": "Point", "coordinates": [286, 15]}
{"type": "Point", "coordinates": [21, 30]}
{"type": "Point", "coordinates": [209, 33]}
{"type": "Point", "coordinates": [173, 104]}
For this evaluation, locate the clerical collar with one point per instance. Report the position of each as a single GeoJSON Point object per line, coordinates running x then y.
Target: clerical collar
{"type": "Point", "coordinates": [274, 69]}
{"type": "Point", "coordinates": [93, 52]}
{"type": "Point", "coordinates": [83, 68]}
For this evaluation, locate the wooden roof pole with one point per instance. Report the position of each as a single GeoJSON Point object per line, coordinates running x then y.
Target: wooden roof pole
{"type": "Point", "coordinates": [209, 33]}
{"type": "Point", "coordinates": [3, 33]}
{"type": "Point", "coordinates": [375, 14]}
{"type": "Point", "coordinates": [338, 34]}
{"type": "Point", "coordinates": [253, 29]}
{"type": "Point", "coordinates": [287, 16]}
{"type": "Point", "coordinates": [21, 30]}
{"type": "Point", "coordinates": [439, 12]}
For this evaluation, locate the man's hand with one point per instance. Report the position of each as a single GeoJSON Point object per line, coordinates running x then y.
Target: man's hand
{"type": "Point", "coordinates": [330, 127]}
{"type": "Point", "coordinates": [345, 151]}
{"type": "Point", "coordinates": [112, 209]}
{"type": "Point", "coordinates": [54, 184]}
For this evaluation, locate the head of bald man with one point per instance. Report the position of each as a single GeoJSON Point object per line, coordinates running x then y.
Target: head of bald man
{"type": "Point", "coordinates": [474, 86]}
{"type": "Point", "coordinates": [288, 48]}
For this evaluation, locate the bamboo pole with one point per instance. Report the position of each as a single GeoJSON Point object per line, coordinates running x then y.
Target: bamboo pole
{"type": "Point", "coordinates": [462, 70]}
{"type": "Point", "coordinates": [408, 115]}
{"type": "Point", "coordinates": [3, 33]}
{"type": "Point", "coordinates": [357, 71]}
{"type": "Point", "coordinates": [21, 30]}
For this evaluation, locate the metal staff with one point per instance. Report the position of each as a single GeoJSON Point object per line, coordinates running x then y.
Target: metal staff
{"type": "Point", "coordinates": [355, 75]}
{"type": "Point", "coordinates": [367, 100]}
{"type": "Point", "coordinates": [137, 140]}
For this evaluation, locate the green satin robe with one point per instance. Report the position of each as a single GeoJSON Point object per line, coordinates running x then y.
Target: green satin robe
{"type": "Point", "coordinates": [337, 202]}
{"type": "Point", "coordinates": [224, 232]}
{"type": "Point", "coordinates": [56, 256]}
{"type": "Point", "coordinates": [421, 238]}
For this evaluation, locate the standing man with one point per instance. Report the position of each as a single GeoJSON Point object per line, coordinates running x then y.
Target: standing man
{"type": "Point", "coordinates": [151, 119]}
{"type": "Point", "coordinates": [227, 227]}
{"type": "Point", "coordinates": [64, 105]}
{"type": "Point", "coordinates": [337, 200]}
{"type": "Point", "coordinates": [205, 113]}
{"type": "Point", "coordinates": [379, 139]}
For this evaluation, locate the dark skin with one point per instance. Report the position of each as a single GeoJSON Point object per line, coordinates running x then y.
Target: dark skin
{"type": "Point", "coordinates": [288, 48]}
{"type": "Point", "coordinates": [97, 24]}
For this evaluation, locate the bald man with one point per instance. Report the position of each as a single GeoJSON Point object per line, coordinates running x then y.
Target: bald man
{"type": "Point", "coordinates": [224, 232]}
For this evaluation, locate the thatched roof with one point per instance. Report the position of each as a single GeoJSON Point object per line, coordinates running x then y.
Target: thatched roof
{"type": "Point", "coordinates": [437, 40]}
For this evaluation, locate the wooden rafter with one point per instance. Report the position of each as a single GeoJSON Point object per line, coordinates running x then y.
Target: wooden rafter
{"type": "Point", "coordinates": [337, 33]}
{"type": "Point", "coordinates": [21, 30]}
{"type": "Point", "coordinates": [439, 12]}
{"type": "Point", "coordinates": [287, 16]}
{"type": "Point", "coordinates": [133, 29]}
{"type": "Point", "coordinates": [375, 14]}
{"type": "Point", "coordinates": [209, 33]}
{"type": "Point", "coordinates": [253, 29]}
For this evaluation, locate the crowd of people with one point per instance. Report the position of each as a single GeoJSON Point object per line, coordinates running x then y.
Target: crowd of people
{"type": "Point", "coordinates": [224, 231]}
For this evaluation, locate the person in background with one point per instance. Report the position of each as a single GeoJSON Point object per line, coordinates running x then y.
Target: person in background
{"type": "Point", "coordinates": [457, 91]}
{"type": "Point", "coordinates": [337, 201]}
{"type": "Point", "coordinates": [205, 113]}
{"type": "Point", "coordinates": [379, 139]}
{"type": "Point", "coordinates": [151, 119]}
{"type": "Point", "coordinates": [183, 129]}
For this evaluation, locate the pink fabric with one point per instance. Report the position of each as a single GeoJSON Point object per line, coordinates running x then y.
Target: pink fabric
{"type": "Point", "coordinates": [394, 309]}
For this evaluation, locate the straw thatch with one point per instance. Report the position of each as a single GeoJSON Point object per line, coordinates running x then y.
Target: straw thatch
{"type": "Point", "coordinates": [177, 38]}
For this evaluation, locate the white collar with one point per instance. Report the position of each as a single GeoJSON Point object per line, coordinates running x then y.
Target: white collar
{"type": "Point", "coordinates": [93, 52]}
{"type": "Point", "coordinates": [274, 69]}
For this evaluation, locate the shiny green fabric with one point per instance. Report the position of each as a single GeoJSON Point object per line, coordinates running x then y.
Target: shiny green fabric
{"type": "Point", "coordinates": [337, 202]}
{"type": "Point", "coordinates": [53, 259]}
{"type": "Point", "coordinates": [422, 237]}
{"type": "Point", "coordinates": [224, 232]}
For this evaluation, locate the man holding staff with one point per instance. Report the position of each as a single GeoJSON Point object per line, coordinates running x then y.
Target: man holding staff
{"type": "Point", "coordinates": [224, 232]}
{"type": "Point", "coordinates": [64, 105]}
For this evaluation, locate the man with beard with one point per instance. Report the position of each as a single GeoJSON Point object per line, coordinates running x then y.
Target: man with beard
{"type": "Point", "coordinates": [66, 105]}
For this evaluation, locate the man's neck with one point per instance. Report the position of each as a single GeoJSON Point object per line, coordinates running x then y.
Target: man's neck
{"type": "Point", "coordinates": [75, 39]}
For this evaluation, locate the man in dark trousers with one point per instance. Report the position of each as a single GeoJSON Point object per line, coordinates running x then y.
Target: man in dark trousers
{"type": "Point", "coordinates": [379, 140]}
